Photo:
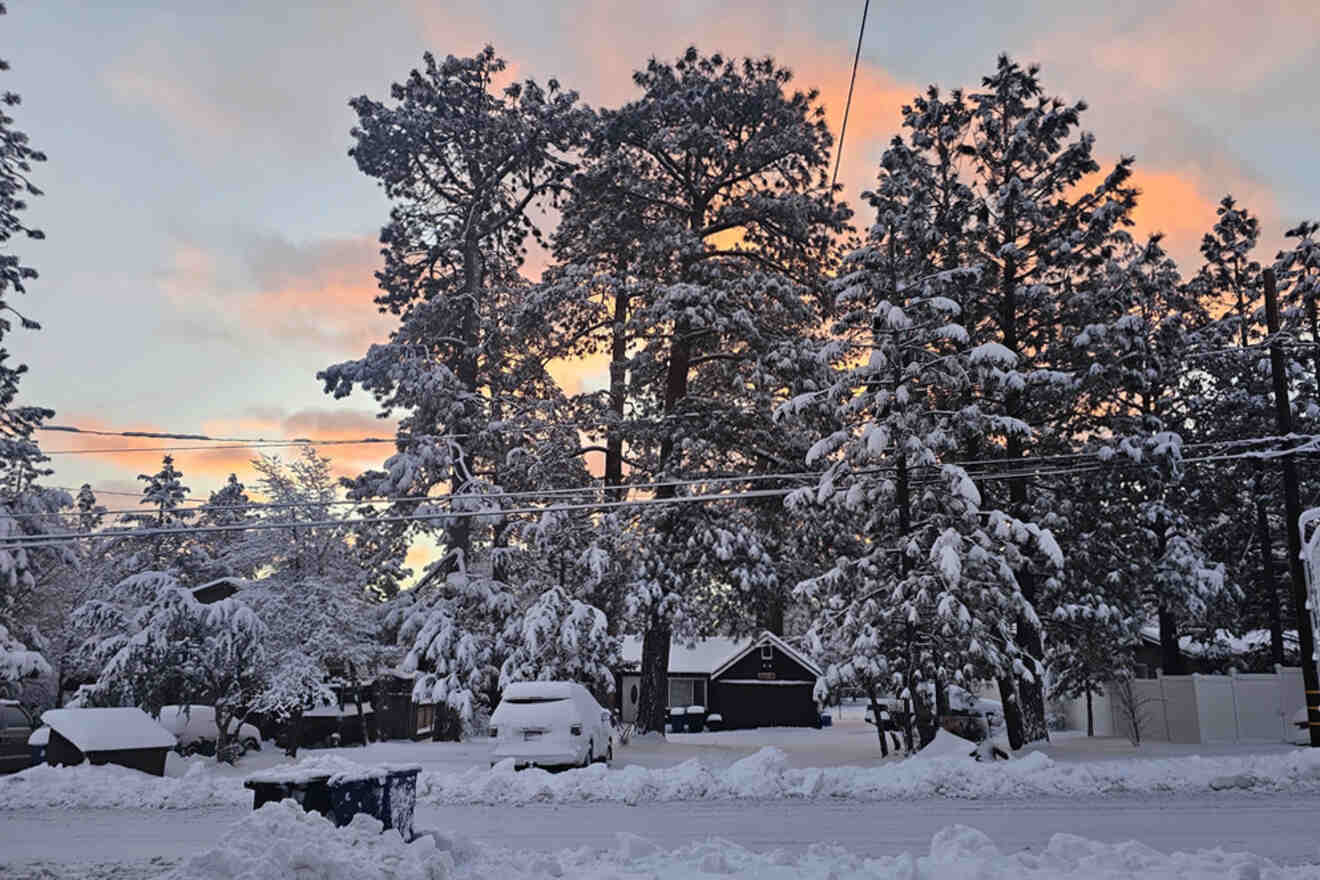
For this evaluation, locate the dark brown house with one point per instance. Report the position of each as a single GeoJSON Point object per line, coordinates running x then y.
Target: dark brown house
{"type": "Point", "coordinates": [760, 682]}
{"type": "Point", "coordinates": [127, 737]}
{"type": "Point", "coordinates": [397, 715]}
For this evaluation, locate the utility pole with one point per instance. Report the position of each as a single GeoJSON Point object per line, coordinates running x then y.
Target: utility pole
{"type": "Point", "coordinates": [1293, 510]}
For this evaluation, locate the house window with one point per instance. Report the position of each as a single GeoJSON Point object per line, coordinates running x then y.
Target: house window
{"type": "Point", "coordinates": [425, 719]}
{"type": "Point", "coordinates": [687, 692]}
{"type": "Point", "coordinates": [767, 652]}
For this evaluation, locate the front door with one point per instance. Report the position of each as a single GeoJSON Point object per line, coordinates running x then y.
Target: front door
{"type": "Point", "coordinates": [631, 685]}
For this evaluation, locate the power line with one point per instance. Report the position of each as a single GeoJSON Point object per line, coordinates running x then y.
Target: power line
{"type": "Point", "coordinates": [17, 542]}
{"type": "Point", "coordinates": [847, 107]}
{"type": "Point", "coordinates": [1026, 466]}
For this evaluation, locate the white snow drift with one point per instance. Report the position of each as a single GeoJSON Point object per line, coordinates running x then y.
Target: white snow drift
{"type": "Point", "coordinates": [280, 841]}
{"type": "Point", "coordinates": [765, 774]}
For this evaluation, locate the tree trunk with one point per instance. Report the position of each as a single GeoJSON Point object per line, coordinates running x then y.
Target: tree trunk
{"type": "Point", "coordinates": [618, 392]}
{"type": "Point", "coordinates": [1012, 712]}
{"type": "Point", "coordinates": [1090, 713]}
{"type": "Point", "coordinates": [458, 534]}
{"type": "Point", "coordinates": [1267, 568]}
{"type": "Point", "coordinates": [651, 710]}
{"type": "Point", "coordinates": [357, 698]}
{"type": "Point", "coordinates": [653, 699]}
{"type": "Point", "coordinates": [773, 617]}
{"type": "Point", "coordinates": [1171, 658]}
{"type": "Point", "coordinates": [293, 734]}
{"type": "Point", "coordinates": [222, 719]}
{"type": "Point", "coordinates": [879, 725]}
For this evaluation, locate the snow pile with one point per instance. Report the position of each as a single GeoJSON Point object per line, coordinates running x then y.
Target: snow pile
{"type": "Point", "coordinates": [281, 841]}
{"type": "Point", "coordinates": [766, 774]}
{"type": "Point", "coordinates": [338, 768]}
{"type": "Point", "coordinates": [109, 785]}
{"type": "Point", "coordinates": [946, 745]}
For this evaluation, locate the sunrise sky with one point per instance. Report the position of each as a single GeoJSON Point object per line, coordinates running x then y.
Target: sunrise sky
{"type": "Point", "coordinates": [211, 245]}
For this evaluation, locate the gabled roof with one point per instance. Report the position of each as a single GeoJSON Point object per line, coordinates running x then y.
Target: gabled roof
{"type": "Point", "coordinates": [769, 638]}
{"type": "Point", "coordinates": [711, 656]}
{"type": "Point", "coordinates": [697, 658]}
{"type": "Point", "coordinates": [108, 730]}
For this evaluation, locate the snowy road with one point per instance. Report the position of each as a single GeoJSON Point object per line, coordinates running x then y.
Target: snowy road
{"type": "Point", "coordinates": [1285, 828]}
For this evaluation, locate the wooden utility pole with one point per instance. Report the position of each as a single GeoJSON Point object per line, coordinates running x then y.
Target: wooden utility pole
{"type": "Point", "coordinates": [1293, 510]}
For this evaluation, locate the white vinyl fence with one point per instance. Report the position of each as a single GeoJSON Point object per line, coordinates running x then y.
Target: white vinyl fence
{"type": "Point", "coordinates": [1201, 708]}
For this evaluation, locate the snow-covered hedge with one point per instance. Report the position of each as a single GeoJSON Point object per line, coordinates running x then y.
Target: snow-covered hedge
{"type": "Point", "coordinates": [280, 841]}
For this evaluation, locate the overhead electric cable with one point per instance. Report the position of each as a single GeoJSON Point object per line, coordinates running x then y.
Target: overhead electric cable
{"type": "Point", "coordinates": [847, 107]}
{"type": "Point", "coordinates": [16, 542]}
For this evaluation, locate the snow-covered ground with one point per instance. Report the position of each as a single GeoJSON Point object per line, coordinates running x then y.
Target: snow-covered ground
{"type": "Point", "coordinates": [795, 763]}
{"type": "Point", "coordinates": [766, 789]}
{"type": "Point", "coordinates": [677, 842]}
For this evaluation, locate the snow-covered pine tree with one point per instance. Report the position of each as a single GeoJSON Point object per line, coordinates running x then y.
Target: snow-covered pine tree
{"type": "Point", "coordinates": [1039, 232]}
{"type": "Point", "coordinates": [1236, 403]}
{"type": "Point", "coordinates": [704, 202]}
{"type": "Point", "coordinates": [223, 554]}
{"type": "Point", "coordinates": [18, 662]}
{"type": "Point", "coordinates": [930, 593]}
{"type": "Point", "coordinates": [310, 591]}
{"type": "Point", "coordinates": [1135, 555]}
{"type": "Point", "coordinates": [156, 645]}
{"type": "Point", "coordinates": [464, 163]}
{"type": "Point", "coordinates": [25, 508]}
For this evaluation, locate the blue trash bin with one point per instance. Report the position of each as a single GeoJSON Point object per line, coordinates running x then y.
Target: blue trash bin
{"type": "Point", "coordinates": [678, 720]}
{"type": "Point", "coordinates": [825, 719]}
{"type": "Point", "coordinates": [389, 796]}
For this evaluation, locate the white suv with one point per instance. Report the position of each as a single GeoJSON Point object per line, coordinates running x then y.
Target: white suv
{"type": "Point", "coordinates": [550, 724]}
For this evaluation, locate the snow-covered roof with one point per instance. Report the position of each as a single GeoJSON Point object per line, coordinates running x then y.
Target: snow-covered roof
{"type": "Point", "coordinates": [108, 730]}
{"type": "Point", "coordinates": [769, 638]}
{"type": "Point", "coordinates": [349, 710]}
{"type": "Point", "coordinates": [710, 656]}
{"type": "Point", "coordinates": [701, 657]}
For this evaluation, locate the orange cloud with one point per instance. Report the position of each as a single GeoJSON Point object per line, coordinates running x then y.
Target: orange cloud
{"type": "Point", "coordinates": [320, 294]}
{"type": "Point", "coordinates": [1181, 203]}
{"type": "Point", "coordinates": [205, 469]}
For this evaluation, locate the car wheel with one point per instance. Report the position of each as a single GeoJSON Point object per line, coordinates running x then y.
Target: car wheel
{"type": "Point", "coordinates": [251, 745]}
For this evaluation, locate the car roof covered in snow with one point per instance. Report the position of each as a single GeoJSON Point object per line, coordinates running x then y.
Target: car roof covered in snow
{"type": "Point", "coordinates": [702, 656]}
{"type": "Point", "coordinates": [540, 690]}
{"type": "Point", "coordinates": [108, 730]}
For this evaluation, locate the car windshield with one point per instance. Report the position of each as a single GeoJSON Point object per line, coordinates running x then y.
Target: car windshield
{"type": "Point", "coordinates": [521, 701]}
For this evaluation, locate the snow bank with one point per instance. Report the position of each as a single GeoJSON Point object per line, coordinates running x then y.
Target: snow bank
{"type": "Point", "coordinates": [112, 786]}
{"type": "Point", "coordinates": [338, 768]}
{"type": "Point", "coordinates": [766, 774]}
{"type": "Point", "coordinates": [280, 841]}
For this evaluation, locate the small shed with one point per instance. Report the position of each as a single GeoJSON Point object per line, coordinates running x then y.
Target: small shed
{"type": "Point", "coordinates": [127, 737]}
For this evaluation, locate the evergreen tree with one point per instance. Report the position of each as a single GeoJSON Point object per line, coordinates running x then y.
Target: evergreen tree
{"type": "Point", "coordinates": [700, 224]}
{"type": "Point", "coordinates": [21, 460]}
{"type": "Point", "coordinates": [1040, 234]}
{"type": "Point", "coordinates": [464, 164]}
{"type": "Point", "coordinates": [929, 595]}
